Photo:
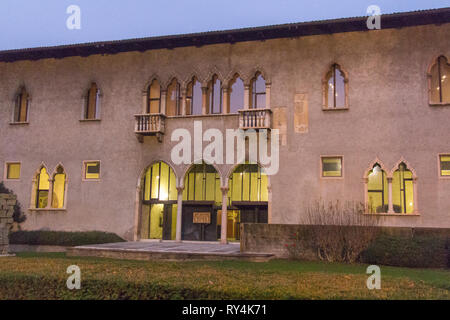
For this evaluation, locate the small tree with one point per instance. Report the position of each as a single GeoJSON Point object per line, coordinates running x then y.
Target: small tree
{"type": "Point", "coordinates": [18, 215]}
{"type": "Point", "coordinates": [340, 232]}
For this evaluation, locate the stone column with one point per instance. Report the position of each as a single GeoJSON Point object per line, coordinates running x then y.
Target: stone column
{"type": "Point", "coordinates": [205, 100]}
{"type": "Point", "coordinates": [366, 195]}
{"type": "Point", "coordinates": [223, 229]}
{"type": "Point", "coordinates": [415, 197]}
{"type": "Point", "coordinates": [246, 96]}
{"type": "Point", "coordinates": [268, 96]}
{"type": "Point", "coordinates": [50, 193]}
{"type": "Point", "coordinates": [269, 204]}
{"type": "Point", "coordinates": [163, 102]}
{"type": "Point", "coordinates": [179, 212]}
{"type": "Point", "coordinates": [225, 99]}
{"type": "Point", "coordinates": [391, 204]}
{"type": "Point", "coordinates": [183, 101]}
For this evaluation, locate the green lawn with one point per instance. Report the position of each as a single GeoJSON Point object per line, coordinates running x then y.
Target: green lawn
{"type": "Point", "coordinates": [43, 276]}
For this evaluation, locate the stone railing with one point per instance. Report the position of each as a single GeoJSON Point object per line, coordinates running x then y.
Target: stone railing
{"type": "Point", "coordinates": [7, 202]}
{"type": "Point", "coordinates": [255, 119]}
{"type": "Point", "coordinates": [149, 125]}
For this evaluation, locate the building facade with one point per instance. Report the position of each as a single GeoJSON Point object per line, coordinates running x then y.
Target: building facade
{"type": "Point", "coordinates": [87, 137]}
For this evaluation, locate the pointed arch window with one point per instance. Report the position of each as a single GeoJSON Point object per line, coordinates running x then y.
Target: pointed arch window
{"type": "Point", "coordinates": [378, 191]}
{"type": "Point", "coordinates": [236, 92]}
{"type": "Point", "coordinates": [59, 188]}
{"type": "Point", "coordinates": [403, 190]}
{"type": "Point", "coordinates": [202, 183]}
{"type": "Point", "coordinates": [42, 188]}
{"type": "Point", "coordinates": [194, 97]}
{"type": "Point", "coordinates": [154, 97]}
{"type": "Point", "coordinates": [92, 103]}
{"type": "Point", "coordinates": [335, 90]}
{"type": "Point", "coordinates": [440, 81]}
{"type": "Point", "coordinates": [21, 106]}
{"type": "Point", "coordinates": [173, 98]}
{"type": "Point", "coordinates": [215, 95]}
{"type": "Point", "coordinates": [258, 92]}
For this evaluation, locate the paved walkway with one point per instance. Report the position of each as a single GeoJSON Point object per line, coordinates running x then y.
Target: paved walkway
{"type": "Point", "coordinates": [167, 250]}
{"type": "Point", "coordinates": [169, 246]}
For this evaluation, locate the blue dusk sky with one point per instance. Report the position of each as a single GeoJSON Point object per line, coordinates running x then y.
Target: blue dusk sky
{"type": "Point", "coordinates": [29, 23]}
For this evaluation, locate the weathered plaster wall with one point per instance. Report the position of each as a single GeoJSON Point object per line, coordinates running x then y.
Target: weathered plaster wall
{"type": "Point", "coordinates": [388, 117]}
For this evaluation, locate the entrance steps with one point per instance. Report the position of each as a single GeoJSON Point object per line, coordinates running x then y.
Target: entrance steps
{"type": "Point", "coordinates": [168, 251]}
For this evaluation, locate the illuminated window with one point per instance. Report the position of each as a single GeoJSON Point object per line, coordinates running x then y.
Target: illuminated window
{"type": "Point", "coordinates": [335, 89]}
{"type": "Point", "coordinates": [59, 188]}
{"type": "Point", "coordinates": [202, 183]}
{"type": "Point", "coordinates": [194, 97]}
{"type": "Point", "coordinates": [42, 188]}
{"type": "Point", "coordinates": [444, 161]}
{"type": "Point", "coordinates": [21, 106]}
{"type": "Point", "coordinates": [92, 170]}
{"type": "Point", "coordinates": [440, 81]}
{"type": "Point", "coordinates": [160, 183]}
{"type": "Point", "coordinates": [91, 111]}
{"type": "Point", "coordinates": [331, 166]}
{"type": "Point", "coordinates": [154, 97]}
{"type": "Point", "coordinates": [377, 188]}
{"type": "Point", "coordinates": [403, 190]}
{"type": "Point", "coordinates": [215, 95]}
{"type": "Point", "coordinates": [236, 93]}
{"type": "Point", "coordinates": [248, 182]}
{"type": "Point", "coordinates": [13, 171]}
{"type": "Point", "coordinates": [173, 99]}
{"type": "Point", "coordinates": [258, 92]}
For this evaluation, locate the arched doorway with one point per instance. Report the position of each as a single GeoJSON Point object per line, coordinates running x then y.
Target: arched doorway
{"type": "Point", "coordinates": [159, 203]}
{"type": "Point", "coordinates": [247, 198]}
{"type": "Point", "coordinates": [202, 197]}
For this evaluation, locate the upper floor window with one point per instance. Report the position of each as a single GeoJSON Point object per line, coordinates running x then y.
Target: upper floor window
{"type": "Point", "coordinates": [236, 93]}
{"type": "Point", "coordinates": [91, 110]}
{"type": "Point", "coordinates": [21, 106]}
{"type": "Point", "coordinates": [173, 99]}
{"type": "Point", "coordinates": [335, 89]}
{"type": "Point", "coordinates": [194, 97]}
{"type": "Point", "coordinates": [439, 81]}
{"type": "Point", "coordinates": [257, 92]}
{"type": "Point", "coordinates": [215, 95]}
{"type": "Point", "coordinates": [154, 97]}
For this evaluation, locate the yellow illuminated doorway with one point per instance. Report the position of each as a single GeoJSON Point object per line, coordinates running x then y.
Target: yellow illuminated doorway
{"type": "Point", "coordinates": [159, 208]}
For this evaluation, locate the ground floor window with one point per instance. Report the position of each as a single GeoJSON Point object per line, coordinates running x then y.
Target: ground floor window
{"type": "Point", "coordinates": [402, 190]}
{"type": "Point", "coordinates": [377, 188]}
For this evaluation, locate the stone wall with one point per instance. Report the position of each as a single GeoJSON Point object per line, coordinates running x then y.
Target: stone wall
{"type": "Point", "coordinates": [275, 238]}
{"type": "Point", "coordinates": [7, 202]}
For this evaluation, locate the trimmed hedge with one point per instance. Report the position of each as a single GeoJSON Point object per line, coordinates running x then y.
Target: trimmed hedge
{"type": "Point", "coordinates": [419, 251]}
{"type": "Point", "coordinates": [62, 238]}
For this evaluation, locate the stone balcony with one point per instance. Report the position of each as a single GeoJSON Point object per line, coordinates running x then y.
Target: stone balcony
{"type": "Point", "coordinates": [149, 125]}
{"type": "Point", "coordinates": [255, 119]}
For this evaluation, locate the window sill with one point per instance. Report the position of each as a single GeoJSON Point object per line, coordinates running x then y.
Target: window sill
{"type": "Point", "coordinates": [440, 104]}
{"type": "Point", "coordinates": [394, 214]}
{"type": "Point", "coordinates": [91, 180]}
{"type": "Point", "coordinates": [335, 109]}
{"type": "Point", "coordinates": [47, 209]}
{"type": "Point", "coordinates": [90, 120]}
{"type": "Point", "coordinates": [19, 123]}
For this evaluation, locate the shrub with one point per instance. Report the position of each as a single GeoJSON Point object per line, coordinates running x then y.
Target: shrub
{"type": "Point", "coordinates": [424, 251]}
{"type": "Point", "coordinates": [18, 215]}
{"type": "Point", "coordinates": [62, 238]}
{"type": "Point", "coordinates": [337, 232]}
